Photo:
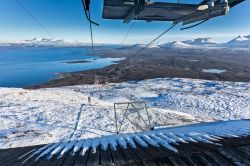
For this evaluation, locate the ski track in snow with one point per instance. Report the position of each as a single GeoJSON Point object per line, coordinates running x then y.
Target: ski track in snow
{"type": "Point", "coordinates": [30, 117]}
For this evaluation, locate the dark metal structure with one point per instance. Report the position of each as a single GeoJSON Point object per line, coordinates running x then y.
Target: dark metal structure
{"type": "Point", "coordinates": [128, 10]}
{"type": "Point", "coordinates": [136, 113]}
{"type": "Point", "coordinates": [233, 149]}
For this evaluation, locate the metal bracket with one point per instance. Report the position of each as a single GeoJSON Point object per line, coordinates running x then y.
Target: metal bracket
{"type": "Point", "coordinates": [212, 11]}
{"type": "Point", "coordinates": [138, 6]}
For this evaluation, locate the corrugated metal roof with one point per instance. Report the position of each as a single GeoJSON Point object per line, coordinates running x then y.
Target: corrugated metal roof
{"type": "Point", "coordinates": [217, 143]}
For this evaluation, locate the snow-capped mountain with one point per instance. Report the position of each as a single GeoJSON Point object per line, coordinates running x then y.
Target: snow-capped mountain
{"type": "Point", "coordinates": [176, 44]}
{"type": "Point", "coordinates": [136, 46]}
{"type": "Point", "coordinates": [42, 40]}
{"type": "Point", "coordinates": [240, 41]}
{"type": "Point", "coordinates": [50, 42]}
{"type": "Point", "coordinates": [37, 42]}
{"type": "Point", "coordinates": [201, 41]}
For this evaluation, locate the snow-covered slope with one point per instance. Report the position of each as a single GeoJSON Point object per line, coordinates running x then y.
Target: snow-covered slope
{"type": "Point", "coordinates": [40, 116]}
{"type": "Point", "coordinates": [240, 41]}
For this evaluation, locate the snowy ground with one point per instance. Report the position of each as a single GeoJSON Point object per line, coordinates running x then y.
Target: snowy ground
{"type": "Point", "coordinates": [29, 117]}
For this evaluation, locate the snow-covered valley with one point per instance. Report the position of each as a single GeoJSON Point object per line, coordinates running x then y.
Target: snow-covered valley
{"type": "Point", "coordinates": [30, 117]}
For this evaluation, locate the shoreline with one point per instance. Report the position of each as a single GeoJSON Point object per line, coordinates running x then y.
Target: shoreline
{"type": "Point", "coordinates": [159, 64]}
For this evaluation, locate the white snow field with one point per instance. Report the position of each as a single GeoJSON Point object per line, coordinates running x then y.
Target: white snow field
{"type": "Point", "coordinates": [31, 117]}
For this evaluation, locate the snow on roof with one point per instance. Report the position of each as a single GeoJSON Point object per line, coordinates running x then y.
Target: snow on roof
{"type": "Point", "coordinates": [165, 137]}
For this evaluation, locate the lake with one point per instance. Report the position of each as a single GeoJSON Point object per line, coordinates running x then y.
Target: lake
{"type": "Point", "coordinates": [27, 66]}
{"type": "Point", "coordinates": [214, 71]}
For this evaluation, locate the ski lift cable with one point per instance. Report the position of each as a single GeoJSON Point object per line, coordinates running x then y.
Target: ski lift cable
{"type": "Point", "coordinates": [195, 24]}
{"type": "Point", "coordinates": [126, 35]}
{"type": "Point", "coordinates": [142, 49]}
{"type": "Point", "coordinates": [34, 19]}
{"type": "Point", "coordinates": [86, 7]}
{"type": "Point", "coordinates": [92, 46]}
{"type": "Point", "coordinates": [88, 16]}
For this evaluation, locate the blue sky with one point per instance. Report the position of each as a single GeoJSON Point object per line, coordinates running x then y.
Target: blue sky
{"type": "Point", "coordinates": [65, 19]}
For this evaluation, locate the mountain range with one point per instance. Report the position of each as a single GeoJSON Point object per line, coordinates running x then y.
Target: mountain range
{"type": "Point", "coordinates": [39, 42]}
{"type": "Point", "coordinates": [239, 42]}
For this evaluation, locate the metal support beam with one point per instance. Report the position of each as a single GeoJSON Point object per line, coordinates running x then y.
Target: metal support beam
{"type": "Point", "coordinates": [134, 11]}
{"type": "Point", "coordinates": [212, 11]}
{"type": "Point", "coordinates": [130, 15]}
{"type": "Point", "coordinates": [129, 109]}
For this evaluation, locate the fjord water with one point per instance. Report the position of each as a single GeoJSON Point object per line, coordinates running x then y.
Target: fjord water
{"type": "Point", "coordinates": [27, 66]}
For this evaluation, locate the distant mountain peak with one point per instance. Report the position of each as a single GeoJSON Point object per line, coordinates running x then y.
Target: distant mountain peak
{"type": "Point", "coordinates": [200, 41]}
{"type": "Point", "coordinates": [43, 40]}
{"type": "Point", "coordinates": [134, 46]}
{"type": "Point", "coordinates": [241, 38]}
{"type": "Point", "coordinates": [240, 41]}
{"type": "Point", "coordinates": [37, 42]}
{"type": "Point", "coordinates": [177, 44]}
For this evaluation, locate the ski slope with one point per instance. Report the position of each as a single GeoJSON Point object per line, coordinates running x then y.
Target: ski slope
{"type": "Point", "coordinates": [30, 117]}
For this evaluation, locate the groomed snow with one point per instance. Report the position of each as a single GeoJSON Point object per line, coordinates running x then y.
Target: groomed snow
{"type": "Point", "coordinates": [30, 117]}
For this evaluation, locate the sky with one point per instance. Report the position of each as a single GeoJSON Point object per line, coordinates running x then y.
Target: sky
{"type": "Point", "coordinates": [65, 19]}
